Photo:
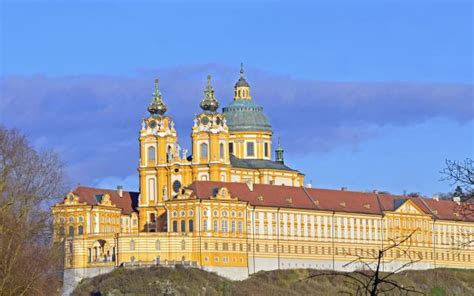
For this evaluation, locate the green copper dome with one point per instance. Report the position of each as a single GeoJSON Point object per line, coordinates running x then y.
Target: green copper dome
{"type": "Point", "coordinates": [245, 115]}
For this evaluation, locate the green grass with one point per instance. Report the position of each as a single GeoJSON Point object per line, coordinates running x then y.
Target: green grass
{"type": "Point", "coordinates": [180, 281]}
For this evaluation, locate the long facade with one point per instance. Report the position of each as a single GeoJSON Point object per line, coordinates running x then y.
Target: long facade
{"type": "Point", "coordinates": [231, 208]}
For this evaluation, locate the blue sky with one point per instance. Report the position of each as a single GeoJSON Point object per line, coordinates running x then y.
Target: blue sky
{"type": "Point", "coordinates": [365, 94]}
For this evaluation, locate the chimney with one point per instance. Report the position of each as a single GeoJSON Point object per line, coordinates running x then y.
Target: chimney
{"type": "Point", "coordinates": [309, 185]}
{"type": "Point", "coordinates": [457, 200]}
{"type": "Point", "coordinates": [343, 188]}
{"type": "Point", "coordinates": [436, 197]}
{"type": "Point", "coordinates": [120, 190]}
{"type": "Point", "coordinates": [375, 191]}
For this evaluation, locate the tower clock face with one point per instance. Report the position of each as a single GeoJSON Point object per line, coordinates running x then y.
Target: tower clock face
{"type": "Point", "coordinates": [176, 186]}
{"type": "Point", "coordinates": [205, 120]}
{"type": "Point", "coordinates": [152, 124]}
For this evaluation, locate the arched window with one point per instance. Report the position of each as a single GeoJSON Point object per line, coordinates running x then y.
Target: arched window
{"type": "Point", "coordinates": [204, 178]}
{"type": "Point", "coordinates": [221, 150]}
{"type": "Point", "coordinates": [157, 245]}
{"type": "Point", "coordinates": [175, 226]}
{"type": "Point", "coordinates": [61, 230]}
{"type": "Point", "coordinates": [80, 230]}
{"type": "Point", "coordinates": [151, 153]}
{"type": "Point", "coordinates": [190, 225]}
{"type": "Point", "coordinates": [132, 245]}
{"type": "Point", "coordinates": [183, 226]}
{"type": "Point", "coordinates": [231, 148]}
{"type": "Point", "coordinates": [223, 178]}
{"type": "Point", "coordinates": [204, 150]}
{"type": "Point", "coordinates": [71, 230]}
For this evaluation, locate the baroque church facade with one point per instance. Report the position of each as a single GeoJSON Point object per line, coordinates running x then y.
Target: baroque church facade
{"type": "Point", "coordinates": [232, 208]}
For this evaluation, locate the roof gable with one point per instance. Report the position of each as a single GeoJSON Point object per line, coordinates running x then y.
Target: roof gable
{"type": "Point", "coordinates": [407, 206]}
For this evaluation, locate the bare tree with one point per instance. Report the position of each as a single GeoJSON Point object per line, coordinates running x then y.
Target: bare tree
{"type": "Point", "coordinates": [29, 182]}
{"type": "Point", "coordinates": [461, 173]}
{"type": "Point", "coordinates": [369, 279]}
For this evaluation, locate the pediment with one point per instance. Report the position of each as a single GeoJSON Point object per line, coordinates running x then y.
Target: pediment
{"type": "Point", "coordinates": [407, 207]}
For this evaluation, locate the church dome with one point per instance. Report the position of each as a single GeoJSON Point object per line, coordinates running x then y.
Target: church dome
{"type": "Point", "coordinates": [242, 82]}
{"type": "Point", "coordinates": [245, 115]}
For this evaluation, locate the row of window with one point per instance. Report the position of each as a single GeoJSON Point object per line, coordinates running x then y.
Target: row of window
{"type": "Point", "coordinates": [235, 227]}
{"type": "Point", "coordinates": [295, 249]}
{"type": "Point", "coordinates": [215, 213]}
{"type": "Point", "coordinates": [251, 149]}
{"type": "Point", "coordinates": [71, 230]}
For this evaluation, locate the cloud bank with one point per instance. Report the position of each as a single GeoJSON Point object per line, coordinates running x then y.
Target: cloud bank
{"type": "Point", "coordinates": [93, 120]}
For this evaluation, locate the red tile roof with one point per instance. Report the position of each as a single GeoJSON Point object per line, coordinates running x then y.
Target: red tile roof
{"type": "Point", "coordinates": [297, 198]}
{"type": "Point", "coordinates": [330, 200]}
{"type": "Point", "coordinates": [128, 202]}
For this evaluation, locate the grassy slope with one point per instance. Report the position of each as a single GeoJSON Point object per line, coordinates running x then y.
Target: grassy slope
{"type": "Point", "coordinates": [179, 281]}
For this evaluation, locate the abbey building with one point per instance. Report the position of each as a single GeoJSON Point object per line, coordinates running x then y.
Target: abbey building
{"type": "Point", "coordinates": [232, 206]}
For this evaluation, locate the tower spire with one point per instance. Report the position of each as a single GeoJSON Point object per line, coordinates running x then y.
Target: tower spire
{"type": "Point", "coordinates": [209, 103]}
{"type": "Point", "coordinates": [157, 107]}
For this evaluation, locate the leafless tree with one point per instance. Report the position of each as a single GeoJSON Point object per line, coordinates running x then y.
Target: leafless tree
{"type": "Point", "coordinates": [369, 279]}
{"type": "Point", "coordinates": [29, 182]}
{"type": "Point", "coordinates": [461, 173]}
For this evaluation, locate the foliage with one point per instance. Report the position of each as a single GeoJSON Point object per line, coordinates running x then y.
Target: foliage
{"type": "Point", "coordinates": [157, 280]}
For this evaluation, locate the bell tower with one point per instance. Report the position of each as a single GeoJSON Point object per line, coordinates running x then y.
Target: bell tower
{"type": "Point", "coordinates": [158, 146]}
{"type": "Point", "coordinates": [210, 138]}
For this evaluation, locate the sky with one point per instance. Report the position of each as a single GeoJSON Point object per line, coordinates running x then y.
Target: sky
{"type": "Point", "coordinates": [364, 94]}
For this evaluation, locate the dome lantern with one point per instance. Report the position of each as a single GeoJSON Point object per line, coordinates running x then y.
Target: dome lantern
{"type": "Point", "coordinates": [242, 88]}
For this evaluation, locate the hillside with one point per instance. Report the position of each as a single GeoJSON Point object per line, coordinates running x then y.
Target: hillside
{"type": "Point", "coordinates": [180, 281]}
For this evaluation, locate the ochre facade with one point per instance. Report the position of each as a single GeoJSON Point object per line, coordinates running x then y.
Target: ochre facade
{"type": "Point", "coordinates": [228, 207]}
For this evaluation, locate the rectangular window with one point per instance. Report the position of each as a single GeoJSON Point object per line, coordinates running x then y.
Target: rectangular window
{"type": "Point", "coordinates": [205, 225]}
{"type": "Point", "coordinates": [151, 189]}
{"type": "Point", "coordinates": [233, 226]}
{"type": "Point", "coordinates": [250, 149]}
{"type": "Point", "coordinates": [204, 150]}
{"type": "Point", "coordinates": [266, 150]}
{"type": "Point", "coordinates": [224, 225]}
{"type": "Point", "coordinates": [231, 148]}
{"type": "Point", "coordinates": [221, 151]}
{"type": "Point", "coordinates": [215, 226]}
{"type": "Point", "coordinates": [240, 226]}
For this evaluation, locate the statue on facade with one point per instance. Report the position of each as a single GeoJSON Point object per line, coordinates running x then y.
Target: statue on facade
{"type": "Point", "coordinates": [169, 154]}
{"type": "Point", "coordinates": [178, 150]}
{"type": "Point", "coordinates": [185, 152]}
{"type": "Point", "coordinates": [165, 192]}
